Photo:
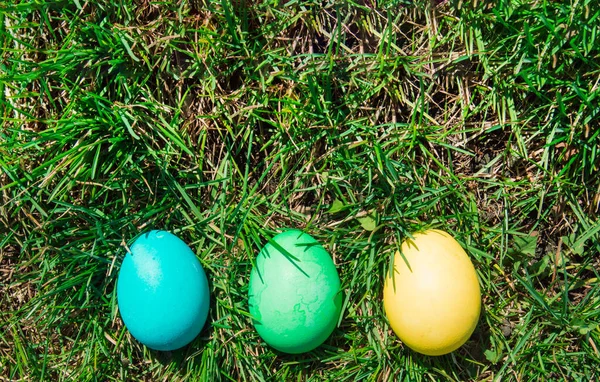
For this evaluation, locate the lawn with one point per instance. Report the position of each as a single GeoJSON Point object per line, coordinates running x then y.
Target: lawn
{"type": "Point", "coordinates": [358, 122]}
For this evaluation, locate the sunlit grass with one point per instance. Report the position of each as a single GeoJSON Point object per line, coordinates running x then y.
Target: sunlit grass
{"type": "Point", "coordinates": [359, 122]}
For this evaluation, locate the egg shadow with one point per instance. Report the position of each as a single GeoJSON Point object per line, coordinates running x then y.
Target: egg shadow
{"type": "Point", "coordinates": [180, 357]}
{"type": "Point", "coordinates": [479, 341]}
{"type": "Point", "coordinates": [466, 362]}
{"type": "Point", "coordinates": [313, 360]}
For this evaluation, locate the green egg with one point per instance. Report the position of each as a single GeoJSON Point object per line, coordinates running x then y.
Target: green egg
{"type": "Point", "coordinates": [294, 293]}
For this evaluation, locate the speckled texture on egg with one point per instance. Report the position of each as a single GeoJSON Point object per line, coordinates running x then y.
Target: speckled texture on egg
{"type": "Point", "coordinates": [162, 291]}
{"type": "Point", "coordinates": [294, 293]}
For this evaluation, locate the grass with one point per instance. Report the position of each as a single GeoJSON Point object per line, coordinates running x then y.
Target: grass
{"type": "Point", "coordinates": [359, 122]}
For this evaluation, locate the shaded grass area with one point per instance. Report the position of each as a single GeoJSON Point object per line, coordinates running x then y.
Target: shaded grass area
{"type": "Point", "coordinates": [359, 122]}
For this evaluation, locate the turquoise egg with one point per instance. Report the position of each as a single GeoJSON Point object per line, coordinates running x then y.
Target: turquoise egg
{"type": "Point", "coordinates": [162, 291]}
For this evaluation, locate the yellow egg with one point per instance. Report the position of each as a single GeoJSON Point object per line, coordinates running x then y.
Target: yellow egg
{"type": "Point", "coordinates": [434, 305]}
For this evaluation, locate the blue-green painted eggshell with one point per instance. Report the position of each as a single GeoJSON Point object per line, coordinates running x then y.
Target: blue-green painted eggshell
{"type": "Point", "coordinates": [294, 293]}
{"type": "Point", "coordinates": [162, 292]}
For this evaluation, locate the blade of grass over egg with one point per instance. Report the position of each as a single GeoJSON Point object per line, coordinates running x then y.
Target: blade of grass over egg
{"type": "Point", "coordinates": [288, 255]}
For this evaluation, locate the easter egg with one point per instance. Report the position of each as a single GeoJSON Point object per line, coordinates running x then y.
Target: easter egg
{"type": "Point", "coordinates": [294, 293]}
{"type": "Point", "coordinates": [162, 291]}
{"type": "Point", "coordinates": [433, 302]}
